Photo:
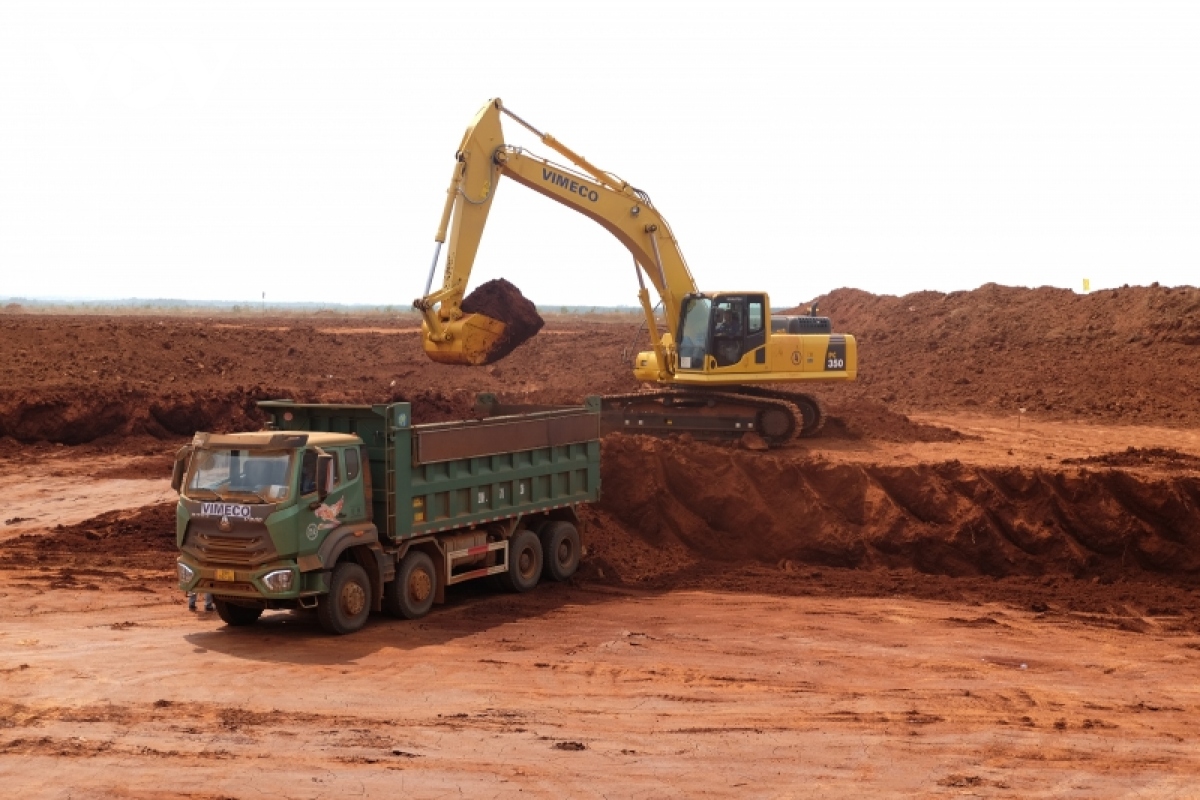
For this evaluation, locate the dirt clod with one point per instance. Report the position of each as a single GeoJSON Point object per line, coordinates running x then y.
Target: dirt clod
{"type": "Point", "coordinates": [504, 302]}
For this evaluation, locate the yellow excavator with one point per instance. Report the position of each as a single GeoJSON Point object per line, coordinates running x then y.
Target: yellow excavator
{"type": "Point", "coordinates": [719, 352]}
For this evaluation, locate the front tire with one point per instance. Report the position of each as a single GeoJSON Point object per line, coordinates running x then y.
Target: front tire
{"type": "Point", "coordinates": [524, 562]}
{"type": "Point", "coordinates": [236, 616]}
{"type": "Point", "coordinates": [346, 608]}
{"type": "Point", "coordinates": [410, 595]}
{"type": "Point", "coordinates": [560, 549]}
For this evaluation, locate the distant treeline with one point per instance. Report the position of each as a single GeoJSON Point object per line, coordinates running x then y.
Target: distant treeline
{"type": "Point", "coordinates": [172, 305]}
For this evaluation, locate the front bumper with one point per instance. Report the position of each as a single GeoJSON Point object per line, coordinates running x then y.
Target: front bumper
{"type": "Point", "coordinates": [248, 583]}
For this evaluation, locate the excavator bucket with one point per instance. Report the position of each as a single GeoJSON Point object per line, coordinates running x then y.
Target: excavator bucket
{"type": "Point", "coordinates": [474, 341]}
{"type": "Point", "coordinates": [496, 320]}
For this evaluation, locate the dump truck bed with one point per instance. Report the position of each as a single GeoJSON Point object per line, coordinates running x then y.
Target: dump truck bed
{"type": "Point", "coordinates": [440, 476]}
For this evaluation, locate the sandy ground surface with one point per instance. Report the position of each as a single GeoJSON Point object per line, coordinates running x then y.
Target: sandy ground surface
{"type": "Point", "coordinates": [849, 682]}
{"type": "Point", "coordinates": [588, 692]}
{"type": "Point", "coordinates": [43, 496]}
{"type": "Point", "coordinates": [942, 596]}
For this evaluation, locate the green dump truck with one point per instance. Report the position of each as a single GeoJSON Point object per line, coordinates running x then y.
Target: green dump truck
{"type": "Point", "coordinates": [349, 509]}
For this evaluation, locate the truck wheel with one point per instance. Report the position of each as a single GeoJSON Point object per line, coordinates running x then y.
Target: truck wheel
{"type": "Point", "coordinates": [234, 615]}
{"type": "Point", "coordinates": [346, 608]}
{"type": "Point", "coordinates": [411, 594]}
{"type": "Point", "coordinates": [560, 549]}
{"type": "Point", "coordinates": [524, 562]}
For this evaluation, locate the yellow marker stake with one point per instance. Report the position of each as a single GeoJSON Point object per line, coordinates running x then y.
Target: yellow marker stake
{"type": "Point", "coordinates": [1087, 285]}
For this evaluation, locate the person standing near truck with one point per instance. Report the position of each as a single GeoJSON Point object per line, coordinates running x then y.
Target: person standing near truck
{"type": "Point", "coordinates": [208, 601]}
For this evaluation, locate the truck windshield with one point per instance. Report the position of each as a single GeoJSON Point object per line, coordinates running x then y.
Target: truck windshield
{"type": "Point", "coordinates": [265, 474]}
{"type": "Point", "coordinates": [693, 334]}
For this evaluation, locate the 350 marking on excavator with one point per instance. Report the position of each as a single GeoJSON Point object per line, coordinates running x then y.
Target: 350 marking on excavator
{"type": "Point", "coordinates": [572, 186]}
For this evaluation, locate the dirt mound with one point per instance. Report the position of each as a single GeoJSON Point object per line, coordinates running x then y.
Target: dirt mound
{"type": "Point", "coordinates": [867, 419]}
{"type": "Point", "coordinates": [504, 302]}
{"type": "Point", "coordinates": [150, 528]}
{"type": "Point", "coordinates": [74, 378]}
{"type": "Point", "coordinates": [667, 507]}
{"type": "Point", "coordinates": [1122, 355]}
{"type": "Point", "coordinates": [72, 418]}
{"type": "Point", "coordinates": [133, 538]}
{"type": "Point", "coordinates": [1141, 457]}
{"type": "Point", "coordinates": [1127, 355]}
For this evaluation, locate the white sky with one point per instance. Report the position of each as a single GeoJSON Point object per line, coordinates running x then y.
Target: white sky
{"type": "Point", "coordinates": [217, 150]}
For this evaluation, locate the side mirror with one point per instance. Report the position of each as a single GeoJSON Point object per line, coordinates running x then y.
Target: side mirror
{"type": "Point", "coordinates": [324, 462]}
{"type": "Point", "coordinates": [181, 461]}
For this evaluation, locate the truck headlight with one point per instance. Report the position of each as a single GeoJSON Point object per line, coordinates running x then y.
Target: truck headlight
{"type": "Point", "coordinates": [186, 573]}
{"type": "Point", "coordinates": [278, 581]}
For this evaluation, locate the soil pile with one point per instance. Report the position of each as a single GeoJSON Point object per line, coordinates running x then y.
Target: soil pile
{"type": "Point", "coordinates": [142, 537]}
{"type": "Point", "coordinates": [1124, 355]}
{"type": "Point", "coordinates": [667, 507]}
{"type": "Point", "coordinates": [1141, 457]}
{"type": "Point", "coordinates": [504, 302]}
{"type": "Point", "coordinates": [73, 379]}
{"type": "Point", "coordinates": [869, 419]}
{"type": "Point", "coordinates": [70, 418]}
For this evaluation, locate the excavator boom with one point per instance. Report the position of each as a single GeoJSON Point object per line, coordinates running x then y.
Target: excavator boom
{"type": "Point", "coordinates": [482, 158]}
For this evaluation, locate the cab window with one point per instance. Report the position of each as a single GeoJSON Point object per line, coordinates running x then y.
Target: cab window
{"type": "Point", "coordinates": [352, 465]}
{"type": "Point", "coordinates": [308, 472]}
{"type": "Point", "coordinates": [755, 315]}
{"type": "Point", "coordinates": [693, 333]}
{"type": "Point", "coordinates": [335, 473]}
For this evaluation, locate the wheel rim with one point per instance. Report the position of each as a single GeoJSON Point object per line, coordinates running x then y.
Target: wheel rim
{"type": "Point", "coordinates": [526, 562]}
{"type": "Point", "coordinates": [354, 599]}
{"type": "Point", "coordinates": [420, 586]}
{"type": "Point", "coordinates": [565, 551]}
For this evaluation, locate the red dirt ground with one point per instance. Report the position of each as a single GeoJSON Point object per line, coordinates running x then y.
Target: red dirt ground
{"type": "Point", "coordinates": [992, 601]}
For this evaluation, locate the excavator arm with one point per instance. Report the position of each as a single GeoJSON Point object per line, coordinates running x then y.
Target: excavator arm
{"type": "Point", "coordinates": [482, 158]}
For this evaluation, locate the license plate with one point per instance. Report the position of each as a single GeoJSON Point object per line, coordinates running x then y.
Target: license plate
{"type": "Point", "coordinates": [226, 575]}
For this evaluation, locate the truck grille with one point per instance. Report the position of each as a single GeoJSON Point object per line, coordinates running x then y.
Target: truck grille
{"type": "Point", "coordinates": [244, 546]}
{"type": "Point", "coordinates": [217, 587]}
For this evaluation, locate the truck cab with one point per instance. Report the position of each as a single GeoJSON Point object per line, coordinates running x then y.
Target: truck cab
{"type": "Point", "coordinates": [256, 508]}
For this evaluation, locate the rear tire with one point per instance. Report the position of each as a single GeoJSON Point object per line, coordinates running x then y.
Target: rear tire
{"type": "Point", "coordinates": [410, 595]}
{"type": "Point", "coordinates": [236, 616]}
{"type": "Point", "coordinates": [524, 562]}
{"type": "Point", "coordinates": [346, 608]}
{"type": "Point", "coordinates": [560, 549]}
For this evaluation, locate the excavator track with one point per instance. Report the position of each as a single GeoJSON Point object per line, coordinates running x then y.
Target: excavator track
{"type": "Point", "coordinates": [813, 414]}
{"type": "Point", "coordinates": [714, 414]}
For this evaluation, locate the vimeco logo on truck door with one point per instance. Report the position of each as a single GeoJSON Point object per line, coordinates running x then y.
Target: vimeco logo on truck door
{"type": "Point", "coordinates": [574, 187]}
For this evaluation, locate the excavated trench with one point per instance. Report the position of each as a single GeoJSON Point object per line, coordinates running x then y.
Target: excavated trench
{"type": "Point", "coordinates": [668, 504]}
{"type": "Point", "coordinates": [700, 503]}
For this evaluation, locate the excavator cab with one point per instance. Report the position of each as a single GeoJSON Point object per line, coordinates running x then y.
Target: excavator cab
{"type": "Point", "coordinates": [717, 331]}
